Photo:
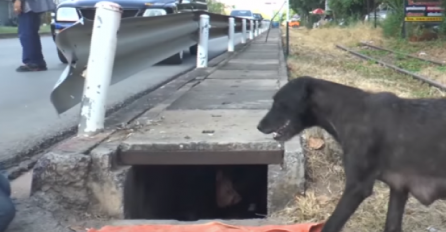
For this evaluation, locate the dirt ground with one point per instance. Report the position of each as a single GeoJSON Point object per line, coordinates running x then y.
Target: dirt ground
{"type": "Point", "coordinates": [313, 53]}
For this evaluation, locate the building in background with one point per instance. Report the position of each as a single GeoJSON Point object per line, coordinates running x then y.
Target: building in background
{"type": "Point", "coordinates": [6, 12]}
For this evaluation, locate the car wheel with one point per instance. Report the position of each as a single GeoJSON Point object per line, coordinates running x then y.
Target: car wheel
{"type": "Point", "coordinates": [193, 50]}
{"type": "Point", "coordinates": [62, 57]}
{"type": "Point", "coordinates": [175, 59]}
{"type": "Point", "coordinates": [59, 53]}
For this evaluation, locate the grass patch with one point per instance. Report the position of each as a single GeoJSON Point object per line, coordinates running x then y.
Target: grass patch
{"type": "Point", "coordinates": [411, 64]}
{"type": "Point", "coordinates": [374, 53]}
{"type": "Point", "coordinates": [417, 66]}
{"type": "Point", "coordinates": [435, 50]}
{"type": "Point", "coordinates": [13, 30]}
{"type": "Point", "coordinates": [313, 53]}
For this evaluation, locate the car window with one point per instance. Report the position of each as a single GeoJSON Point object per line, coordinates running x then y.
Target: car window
{"type": "Point", "coordinates": [241, 13]}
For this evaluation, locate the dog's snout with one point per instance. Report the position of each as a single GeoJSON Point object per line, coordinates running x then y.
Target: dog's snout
{"type": "Point", "coordinates": [259, 127]}
{"type": "Point", "coordinates": [263, 129]}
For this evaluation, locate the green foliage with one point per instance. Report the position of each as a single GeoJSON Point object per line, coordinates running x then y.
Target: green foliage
{"type": "Point", "coordinates": [395, 18]}
{"type": "Point", "coordinates": [392, 25]}
{"type": "Point", "coordinates": [303, 8]}
{"type": "Point", "coordinates": [352, 11]}
{"type": "Point", "coordinates": [443, 24]}
{"type": "Point", "coordinates": [279, 17]}
{"type": "Point", "coordinates": [348, 8]}
{"type": "Point", "coordinates": [216, 7]}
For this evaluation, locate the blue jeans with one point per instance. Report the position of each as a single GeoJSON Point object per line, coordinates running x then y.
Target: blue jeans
{"type": "Point", "coordinates": [29, 25]}
{"type": "Point", "coordinates": [7, 208]}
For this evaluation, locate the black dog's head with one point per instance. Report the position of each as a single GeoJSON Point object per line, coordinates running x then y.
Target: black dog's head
{"type": "Point", "coordinates": [289, 114]}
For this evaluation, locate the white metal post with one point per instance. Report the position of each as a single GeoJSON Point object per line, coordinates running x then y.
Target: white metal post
{"type": "Point", "coordinates": [231, 34]}
{"type": "Point", "coordinates": [53, 15]}
{"type": "Point", "coordinates": [100, 66]}
{"type": "Point", "coordinates": [202, 57]}
{"type": "Point", "coordinates": [256, 30]}
{"type": "Point", "coordinates": [243, 31]}
{"type": "Point", "coordinates": [251, 30]}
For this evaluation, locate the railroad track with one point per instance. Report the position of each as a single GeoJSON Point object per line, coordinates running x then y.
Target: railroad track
{"type": "Point", "coordinates": [395, 67]}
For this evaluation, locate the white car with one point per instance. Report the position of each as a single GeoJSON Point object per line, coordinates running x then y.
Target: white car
{"type": "Point", "coordinates": [247, 14]}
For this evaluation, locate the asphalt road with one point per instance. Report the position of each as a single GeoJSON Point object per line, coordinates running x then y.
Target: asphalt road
{"type": "Point", "coordinates": [27, 117]}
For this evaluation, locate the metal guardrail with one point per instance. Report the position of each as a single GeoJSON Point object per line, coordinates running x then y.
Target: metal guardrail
{"type": "Point", "coordinates": [114, 49]}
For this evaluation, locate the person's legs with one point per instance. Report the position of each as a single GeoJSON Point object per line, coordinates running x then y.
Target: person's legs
{"type": "Point", "coordinates": [23, 37]}
{"type": "Point", "coordinates": [37, 56]}
{"type": "Point", "coordinates": [29, 37]}
{"type": "Point", "coordinates": [7, 208]}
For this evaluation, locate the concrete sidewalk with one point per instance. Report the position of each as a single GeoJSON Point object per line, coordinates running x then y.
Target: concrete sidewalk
{"type": "Point", "coordinates": [210, 119]}
{"type": "Point", "coordinates": [213, 120]}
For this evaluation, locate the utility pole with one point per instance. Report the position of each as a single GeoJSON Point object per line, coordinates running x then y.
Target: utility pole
{"type": "Point", "coordinates": [287, 10]}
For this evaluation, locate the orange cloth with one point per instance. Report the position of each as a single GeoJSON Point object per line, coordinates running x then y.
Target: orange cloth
{"type": "Point", "coordinates": [213, 227]}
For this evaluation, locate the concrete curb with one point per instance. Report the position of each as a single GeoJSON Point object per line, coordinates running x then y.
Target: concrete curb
{"type": "Point", "coordinates": [294, 147]}
{"type": "Point", "coordinates": [100, 179]}
{"type": "Point", "coordinates": [129, 109]}
{"type": "Point", "coordinates": [99, 152]}
{"type": "Point", "coordinates": [10, 36]}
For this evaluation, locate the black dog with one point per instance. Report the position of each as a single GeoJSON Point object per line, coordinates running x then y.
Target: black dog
{"type": "Point", "coordinates": [401, 142]}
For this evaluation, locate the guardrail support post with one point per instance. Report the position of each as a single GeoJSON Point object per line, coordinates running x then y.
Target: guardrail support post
{"type": "Point", "coordinates": [256, 30]}
{"type": "Point", "coordinates": [99, 67]}
{"type": "Point", "coordinates": [243, 31]}
{"type": "Point", "coordinates": [202, 57]}
{"type": "Point", "coordinates": [231, 35]}
{"type": "Point", "coordinates": [251, 29]}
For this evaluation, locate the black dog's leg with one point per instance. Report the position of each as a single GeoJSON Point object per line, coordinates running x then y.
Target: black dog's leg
{"type": "Point", "coordinates": [353, 196]}
{"type": "Point", "coordinates": [395, 210]}
{"type": "Point", "coordinates": [359, 186]}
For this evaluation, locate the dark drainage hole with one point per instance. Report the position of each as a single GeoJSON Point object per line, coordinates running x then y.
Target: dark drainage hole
{"type": "Point", "coordinates": [196, 192]}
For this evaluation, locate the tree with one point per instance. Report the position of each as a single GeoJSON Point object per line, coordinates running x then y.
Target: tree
{"type": "Point", "coordinates": [443, 24]}
{"type": "Point", "coordinates": [216, 7]}
{"type": "Point", "coordinates": [303, 8]}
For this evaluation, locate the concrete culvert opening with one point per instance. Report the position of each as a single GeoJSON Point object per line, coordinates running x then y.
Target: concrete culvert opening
{"type": "Point", "coordinates": [196, 192]}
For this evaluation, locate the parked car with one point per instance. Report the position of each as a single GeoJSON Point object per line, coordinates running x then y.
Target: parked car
{"type": "Point", "coordinates": [294, 22]}
{"type": "Point", "coordinates": [258, 16]}
{"type": "Point", "coordinates": [69, 12]}
{"type": "Point", "coordinates": [247, 14]}
{"type": "Point", "coordinates": [380, 15]}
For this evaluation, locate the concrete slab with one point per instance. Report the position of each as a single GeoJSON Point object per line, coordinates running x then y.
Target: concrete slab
{"type": "Point", "coordinates": [189, 126]}
{"type": "Point", "coordinates": [249, 66]}
{"type": "Point", "coordinates": [202, 137]}
{"type": "Point", "coordinates": [264, 52]}
{"type": "Point", "coordinates": [263, 48]}
{"type": "Point", "coordinates": [244, 74]}
{"type": "Point", "coordinates": [228, 94]}
{"type": "Point", "coordinates": [258, 55]}
{"type": "Point", "coordinates": [258, 62]}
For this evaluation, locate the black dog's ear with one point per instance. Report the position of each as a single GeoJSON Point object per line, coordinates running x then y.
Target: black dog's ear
{"type": "Point", "coordinates": [301, 88]}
